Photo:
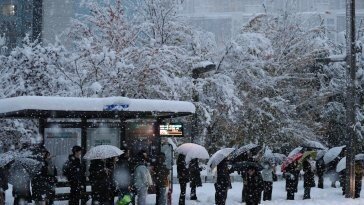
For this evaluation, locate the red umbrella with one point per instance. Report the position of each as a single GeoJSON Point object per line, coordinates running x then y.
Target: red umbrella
{"type": "Point", "coordinates": [290, 160]}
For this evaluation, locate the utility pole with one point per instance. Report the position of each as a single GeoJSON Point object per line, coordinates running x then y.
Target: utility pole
{"type": "Point", "coordinates": [350, 99]}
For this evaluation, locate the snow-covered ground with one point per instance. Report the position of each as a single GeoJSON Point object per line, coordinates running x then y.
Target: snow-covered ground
{"type": "Point", "coordinates": [327, 196]}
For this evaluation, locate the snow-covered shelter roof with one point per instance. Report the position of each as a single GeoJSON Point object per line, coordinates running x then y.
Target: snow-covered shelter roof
{"type": "Point", "coordinates": [77, 107]}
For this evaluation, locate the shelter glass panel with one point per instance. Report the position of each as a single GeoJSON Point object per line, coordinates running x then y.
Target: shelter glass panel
{"type": "Point", "coordinates": [59, 142]}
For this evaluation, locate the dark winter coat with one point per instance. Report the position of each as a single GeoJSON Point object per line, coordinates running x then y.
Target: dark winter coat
{"type": "Point", "coordinates": [253, 188]}
{"type": "Point", "coordinates": [75, 169]}
{"type": "Point", "coordinates": [223, 175]}
{"type": "Point", "coordinates": [195, 175]}
{"type": "Point", "coordinates": [308, 176]}
{"type": "Point", "coordinates": [4, 174]}
{"type": "Point", "coordinates": [43, 183]}
{"type": "Point", "coordinates": [320, 167]}
{"type": "Point", "coordinates": [290, 176]}
{"type": "Point", "coordinates": [101, 181]}
{"type": "Point", "coordinates": [161, 175]}
{"type": "Point", "coordinates": [182, 171]}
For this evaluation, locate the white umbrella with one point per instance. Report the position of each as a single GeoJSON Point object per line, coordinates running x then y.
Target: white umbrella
{"type": "Point", "coordinates": [332, 153]}
{"type": "Point", "coordinates": [192, 151]}
{"type": "Point", "coordinates": [103, 152]}
{"type": "Point", "coordinates": [220, 155]}
{"type": "Point", "coordinates": [321, 154]}
{"type": "Point", "coordinates": [295, 151]}
{"type": "Point", "coordinates": [359, 157]}
{"type": "Point", "coordinates": [342, 163]}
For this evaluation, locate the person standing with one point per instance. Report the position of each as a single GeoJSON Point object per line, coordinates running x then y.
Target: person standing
{"type": "Point", "coordinates": [20, 179]}
{"type": "Point", "coordinates": [320, 169]}
{"type": "Point", "coordinates": [195, 178]}
{"type": "Point", "coordinates": [223, 182]}
{"type": "Point", "coordinates": [101, 187]}
{"type": "Point", "coordinates": [267, 175]}
{"type": "Point", "coordinates": [161, 180]}
{"type": "Point", "coordinates": [254, 186]}
{"type": "Point", "coordinates": [142, 179]}
{"type": "Point", "coordinates": [43, 184]}
{"type": "Point", "coordinates": [123, 174]}
{"type": "Point", "coordinates": [75, 171]}
{"type": "Point", "coordinates": [51, 178]}
{"type": "Point", "coordinates": [4, 173]}
{"type": "Point", "coordinates": [290, 177]}
{"type": "Point", "coordinates": [308, 178]}
{"type": "Point", "coordinates": [182, 174]}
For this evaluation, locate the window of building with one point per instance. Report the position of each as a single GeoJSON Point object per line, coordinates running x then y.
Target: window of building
{"type": "Point", "coordinates": [8, 9]}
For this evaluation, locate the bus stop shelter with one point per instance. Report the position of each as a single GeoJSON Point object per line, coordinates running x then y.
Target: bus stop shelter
{"type": "Point", "coordinates": [123, 122]}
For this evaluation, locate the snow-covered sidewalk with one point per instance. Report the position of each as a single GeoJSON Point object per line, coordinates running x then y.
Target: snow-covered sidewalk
{"type": "Point", "coordinates": [206, 195]}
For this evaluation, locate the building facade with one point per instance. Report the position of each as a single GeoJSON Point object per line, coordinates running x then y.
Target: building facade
{"type": "Point", "coordinates": [40, 19]}
{"type": "Point", "coordinates": [19, 18]}
{"type": "Point", "coordinates": [45, 19]}
{"type": "Point", "coordinates": [226, 18]}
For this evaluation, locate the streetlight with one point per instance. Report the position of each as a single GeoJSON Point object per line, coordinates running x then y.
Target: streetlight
{"type": "Point", "coordinates": [197, 71]}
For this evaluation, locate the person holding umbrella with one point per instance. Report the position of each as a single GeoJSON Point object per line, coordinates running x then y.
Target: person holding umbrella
{"type": "Point", "coordinates": [320, 169]}
{"type": "Point", "coordinates": [182, 174]}
{"type": "Point", "coordinates": [290, 169]}
{"type": "Point", "coordinates": [101, 186]}
{"type": "Point", "coordinates": [223, 183]}
{"type": "Point", "coordinates": [308, 178]}
{"type": "Point", "coordinates": [195, 177]}
{"type": "Point", "coordinates": [267, 173]}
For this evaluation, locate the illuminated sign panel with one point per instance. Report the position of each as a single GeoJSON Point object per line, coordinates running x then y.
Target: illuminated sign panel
{"type": "Point", "coordinates": [171, 130]}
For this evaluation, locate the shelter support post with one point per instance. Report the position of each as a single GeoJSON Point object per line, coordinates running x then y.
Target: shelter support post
{"type": "Point", "coordinates": [84, 133]}
{"type": "Point", "coordinates": [350, 99]}
{"type": "Point", "coordinates": [41, 128]}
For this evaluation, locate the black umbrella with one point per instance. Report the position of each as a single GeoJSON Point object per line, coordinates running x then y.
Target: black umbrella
{"type": "Point", "coordinates": [243, 153]}
{"type": "Point", "coordinates": [24, 160]}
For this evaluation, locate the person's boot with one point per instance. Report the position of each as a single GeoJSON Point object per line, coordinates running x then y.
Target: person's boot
{"type": "Point", "coordinates": [193, 197]}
